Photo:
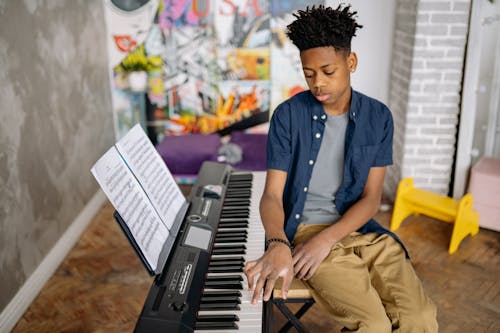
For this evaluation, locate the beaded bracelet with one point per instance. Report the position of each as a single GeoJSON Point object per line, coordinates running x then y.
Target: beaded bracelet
{"type": "Point", "coordinates": [279, 240]}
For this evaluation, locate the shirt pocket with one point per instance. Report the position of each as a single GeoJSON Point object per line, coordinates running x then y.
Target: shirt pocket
{"type": "Point", "coordinates": [363, 157]}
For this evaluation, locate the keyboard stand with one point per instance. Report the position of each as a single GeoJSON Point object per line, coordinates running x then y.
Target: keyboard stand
{"type": "Point", "coordinates": [298, 293]}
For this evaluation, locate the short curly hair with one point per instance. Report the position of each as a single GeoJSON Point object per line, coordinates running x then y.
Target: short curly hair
{"type": "Point", "coordinates": [323, 26]}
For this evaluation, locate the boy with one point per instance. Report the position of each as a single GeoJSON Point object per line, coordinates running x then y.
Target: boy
{"type": "Point", "coordinates": [327, 153]}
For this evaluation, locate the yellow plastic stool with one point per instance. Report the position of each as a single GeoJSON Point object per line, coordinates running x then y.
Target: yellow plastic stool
{"type": "Point", "coordinates": [413, 201]}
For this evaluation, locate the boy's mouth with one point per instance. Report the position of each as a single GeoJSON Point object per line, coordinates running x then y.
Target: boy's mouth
{"type": "Point", "coordinates": [322, 97]}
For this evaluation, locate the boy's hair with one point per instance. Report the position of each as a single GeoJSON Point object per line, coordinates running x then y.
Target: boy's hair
{"type": "Point", "coordinates": [323, 26]}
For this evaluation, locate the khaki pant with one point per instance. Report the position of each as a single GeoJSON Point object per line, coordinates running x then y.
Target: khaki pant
{"type": "Point", "coordinates": [367, 285]}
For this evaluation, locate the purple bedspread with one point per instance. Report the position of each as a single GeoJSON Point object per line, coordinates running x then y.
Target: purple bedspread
{"type": "Point", "coordinates": [184, 154]}
{"type": "Point", "coordinates": [254, 150]}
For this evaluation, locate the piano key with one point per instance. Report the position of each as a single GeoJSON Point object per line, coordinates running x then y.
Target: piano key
{"type": "Point", "coordinates": [233, 234]}
{"type": "Point", "coordinates": [224, 285]}
{"type": "Point", "coordinates": [227, 258]}
{"type": "Point", "coordinates": [234, 215]}
{"type": "Point", "coordinates": [228, 251]}
{"type": "Point", "coordinates": [250, 315]}
{"type": "Point", "coordinates": [222, 240]}
{"type": "Point", "coordinates": [235, 208]}
{"type": "Point", "coordinates": [234, 225]}
{"type": "Point", "coordinates": [220, 317]}
{"type": "Point", "coordinates": [220, 299]}
{"type": "Point", "coordinates": [245, 312]}
{"type": "Point", "coordinates": [224, 263]}
{"type": "Point", "coordinates": [215, 325]}
{"type": "Point", "coordinates": [232, 219]}
{"type": "Point", "coordinates": [226, 269]}
{"type": "Point", "coordinates": [218, 293]}
{"type": "Point", "coordinates": [236, 201]}
{"type": "Point", "coordinates": [221, 277]}
{"type": "Point", "coordinates": [219, 306]}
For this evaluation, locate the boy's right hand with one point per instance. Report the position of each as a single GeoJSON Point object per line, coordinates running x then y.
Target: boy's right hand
{"type": "Point", "coordinates": [276, 262]}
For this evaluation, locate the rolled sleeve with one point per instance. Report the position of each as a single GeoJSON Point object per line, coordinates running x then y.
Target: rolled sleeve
{"type": "Point", "coordinates": [278, 150]}
{"type": "Point", "coordinates": [384, 154]}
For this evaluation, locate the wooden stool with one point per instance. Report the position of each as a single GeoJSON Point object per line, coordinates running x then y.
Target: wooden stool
{"type": "Point", "coordinates": [413, 201]}
{"type": "Point", "coordinates": [297, 293]}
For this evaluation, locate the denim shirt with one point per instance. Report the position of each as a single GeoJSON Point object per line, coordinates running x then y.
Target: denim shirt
{"type": "Point", "coordinates": [293, 143]}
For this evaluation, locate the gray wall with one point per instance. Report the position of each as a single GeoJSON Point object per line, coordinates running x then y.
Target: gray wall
{"type": "Point", "coordinates": [55, 121]}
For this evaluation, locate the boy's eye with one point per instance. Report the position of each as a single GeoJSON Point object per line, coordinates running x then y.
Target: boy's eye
{"type": "Point", "coordinates": [329, 73]}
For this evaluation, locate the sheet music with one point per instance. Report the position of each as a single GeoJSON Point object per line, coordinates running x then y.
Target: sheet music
{"type": "Point", "coordinates": [129, 199]}
{"type": "Point", "coordinates": [152, 173]}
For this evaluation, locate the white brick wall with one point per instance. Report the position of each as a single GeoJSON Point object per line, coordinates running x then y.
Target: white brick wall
{"type": "Point", "coordinates": [426, 114]}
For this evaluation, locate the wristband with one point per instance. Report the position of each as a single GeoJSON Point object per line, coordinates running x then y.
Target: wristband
{"type": "Point", "coordinates": [279, 240]}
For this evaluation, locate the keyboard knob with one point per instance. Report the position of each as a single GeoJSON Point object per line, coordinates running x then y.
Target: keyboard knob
{"type": "Point", "coordinates": [178, 306]}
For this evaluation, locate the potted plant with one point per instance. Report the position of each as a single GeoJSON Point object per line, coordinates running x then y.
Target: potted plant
{"type": "Point", "coordinates": [135, 65]}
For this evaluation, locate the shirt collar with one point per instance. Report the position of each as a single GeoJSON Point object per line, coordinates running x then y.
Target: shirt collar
{"type": "Point", "coordinates": [354, 108]}
{"type": "Point", "coordinates": [318, 112]}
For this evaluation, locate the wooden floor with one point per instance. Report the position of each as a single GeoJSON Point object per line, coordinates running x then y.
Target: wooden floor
{"type": "Point", "coordinates": [101, 285]}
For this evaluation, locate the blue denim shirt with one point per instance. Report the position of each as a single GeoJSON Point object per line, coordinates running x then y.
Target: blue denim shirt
{"type": "Point", "coordinates": [294, 139]}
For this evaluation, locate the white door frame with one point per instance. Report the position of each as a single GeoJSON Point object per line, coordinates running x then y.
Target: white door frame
{"type": "Point", "coordinates": [469, 99]}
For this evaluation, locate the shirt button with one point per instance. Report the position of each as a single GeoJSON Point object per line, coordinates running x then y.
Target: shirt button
{"type": "Point", "coordinates": [318, 135]}
{"type": "Point", "coordinates": [315, 117]}
{"type": "Point", "coordinates": [297, 216]}
{"type": "Point", "coordinates": [323, 116]}
{"type": "Point", "coordinates": [354, 113]}
{"type": "Point", "coordinates": [305, 189]}
{"type": "Point", "coordinates": [311, 162]}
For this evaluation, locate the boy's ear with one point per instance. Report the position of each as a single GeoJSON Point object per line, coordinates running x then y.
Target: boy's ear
{"type": "Point", "coordinates": [352, 62]}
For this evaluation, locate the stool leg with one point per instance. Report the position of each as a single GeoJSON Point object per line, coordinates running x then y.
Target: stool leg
{"type": "Point", "coordinates": [290, 316]}
{"type": "Point", "coordinates": [268, 310]}
{"type": "Point", "coordinates": [298, 314]}
{"type": "Point", "coordinates": [466, 222]}
{"type": "Point", "coordinates": [401, 208]}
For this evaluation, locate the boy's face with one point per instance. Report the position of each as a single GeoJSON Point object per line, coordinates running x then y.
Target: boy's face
{"type": "Point", "coordinates": [327, 73]}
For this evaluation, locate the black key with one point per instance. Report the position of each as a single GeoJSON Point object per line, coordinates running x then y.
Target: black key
{"type": "Point", "coordinates": [231, 233]}
{"type": "Point", "coordinates": [233, 219]}
{"type": "Point", "coordinates": [225, 269]}
{"type": "Point", "coordinates": [220, 299]}
{"type": "Point", "coordinates": [243, 222]}
{"type": "Point", "coordinates": [245, 185]}
{"type": "Point", "coordinates": [234, 201]}
{"type": "Point", "coordinates": [223, 285]}
{"type": "Point", "coordinates": [240, 175]}
{"type": "Point", "coordinates": [228, 277]}
{"type": "Point", "coordinates": [230, 246]}
{"type": "Point", "coordinates": [218, 293]}
{"type": "Point", "coordinates": [234, 215]}
{"type": "Point", "coordinates": [228, 251]}
{"type": "Point", "coordinates": [225, 263]}
{"type": "Point", "coordinates": [220, 317]}
{"type": "Point", "coordinates": [230, 239]}
{"type": "Point", "coordinates": [229, 225]}
{"type": "Point", "coordinates": [215, 326]}
{"type": "Point", "coordinates": [219, 306]}
{"type": "Point", "coordinates": [236, 208]}
{"type": "Point", "coordinates": [223, 259]}
{"type": "Point", "coordinates": [240, 193]}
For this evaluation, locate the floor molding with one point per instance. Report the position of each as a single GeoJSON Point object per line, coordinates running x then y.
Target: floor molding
{"type": "Point", "coordinates": [30, 289]}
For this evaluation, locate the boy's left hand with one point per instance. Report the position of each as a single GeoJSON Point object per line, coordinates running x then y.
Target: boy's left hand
{"type": "Point", "coordinates": [308, 256]}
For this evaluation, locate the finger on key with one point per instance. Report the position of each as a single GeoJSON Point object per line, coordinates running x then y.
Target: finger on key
{"type": "Point", "coordinates": [251, 269]}
{"type": "Point", "coordinates": [258, 288]}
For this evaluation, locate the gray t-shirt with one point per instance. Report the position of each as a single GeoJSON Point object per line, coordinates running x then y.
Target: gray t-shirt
{"type": "Point", "coordinates": [327, 174]}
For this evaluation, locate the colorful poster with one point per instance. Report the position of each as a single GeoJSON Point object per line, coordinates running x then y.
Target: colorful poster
{"type": "Point", "coordinates": [202, 66]}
